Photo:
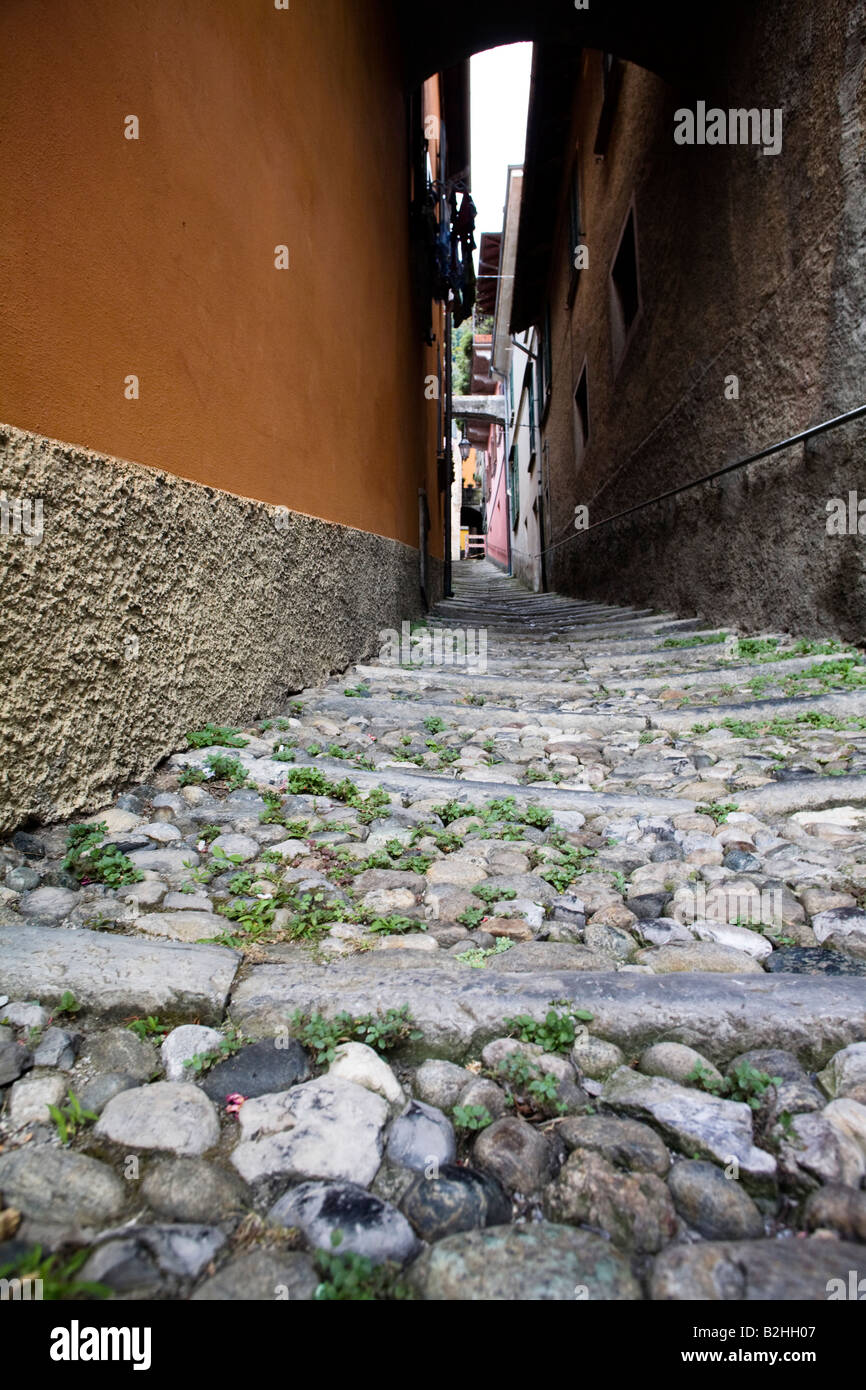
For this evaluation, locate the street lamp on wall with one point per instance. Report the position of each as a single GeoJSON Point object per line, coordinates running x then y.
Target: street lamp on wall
{"type": "Point", "coordinates": [465, 448]}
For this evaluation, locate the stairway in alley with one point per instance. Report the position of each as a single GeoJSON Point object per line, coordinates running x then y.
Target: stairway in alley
{"type": "Point", "coordinates": [530, 955]}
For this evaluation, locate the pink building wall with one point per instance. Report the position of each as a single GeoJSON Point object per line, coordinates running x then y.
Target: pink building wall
{"type": "Point", "coordinates": [497, 498]}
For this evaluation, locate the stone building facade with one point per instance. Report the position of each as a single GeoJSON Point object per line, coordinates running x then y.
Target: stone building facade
{"type": "Point", "coordinates": [701, 302]}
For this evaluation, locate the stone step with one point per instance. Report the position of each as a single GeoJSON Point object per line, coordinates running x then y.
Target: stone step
{"type": "Point", "coordinates": [117, 977]}
{"type": "Point", "coordinates": [478, 716]}
{"type": "Point", "coordinates": [459, 1008]}
{"type": "Point", "coordinates": [841, 704]}
{"type": "Point", "coordinates": [499, 676]}
{"type": "Point", "coordinates": [418, 783]}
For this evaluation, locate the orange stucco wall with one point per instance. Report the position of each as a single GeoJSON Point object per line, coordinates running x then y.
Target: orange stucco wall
{"type": "Point", "coordinates": [155, 257]}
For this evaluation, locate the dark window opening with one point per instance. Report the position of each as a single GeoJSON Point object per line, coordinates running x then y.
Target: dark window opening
{"type": "Point", "coordinates": [611, 73]}
{"type": "Point", "coordinates": [546, 363]}
{"type": "Point", "coordinates": [581, 401]}
{"type": "Point", "coordinates": [514, 487]}
{"type": "Point", "coordinates": [581, 409]}
{"type": "Point", "coordinates": [625, 291]}
{"type": "Point", "coordinates": [532, 447]}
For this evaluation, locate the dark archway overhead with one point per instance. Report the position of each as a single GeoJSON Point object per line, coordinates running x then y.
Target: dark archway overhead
{"type": "Point", "coordinates": [681, 40]}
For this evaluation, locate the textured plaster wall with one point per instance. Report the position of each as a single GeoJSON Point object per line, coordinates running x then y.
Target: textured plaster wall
{"type": "Point", "coordinates": [151, 605]}
{"type": "Point", "coordinates": [749, 265]}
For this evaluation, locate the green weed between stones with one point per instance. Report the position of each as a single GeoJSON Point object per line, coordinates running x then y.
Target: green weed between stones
{"type": "Point", "coordinates": [783, 728]}
{"type": "Point", "coordinates": [712, 639]}
{"type": "Point", "coordinates": [471, 1117]}
{"type": "Point", "coordinates": [528, 1086]}
{"type": "Point", "coordinates": [745, 1083]}
{"type": "Point", "coordinates": [309, 781]}
{"type": "Point", "coordinates": [52, 1277]}
{"type": "Point", "coordinates": [572, 863]}
{"type": "Point", "coordinates": [718, 810]}
{"type": "Point", "coordinates": [382, 1031]}
{"type": "Point", "coordinates": [203, 1061]}
{"type": "Point", "coordinates": [500, 809]}
{"type": "Point", "coordinates": [492, 895]}
{"type": "Point", "coordinates": [354, 1278]}
{"type": "Point", "coordinates": [93, 862]}
{"type": "Point", "coordinates": [149, 1027]}
{"type": "Point", "coordinates": [471, 917]}
{"type": "Point", "coordinates": [70, 1117]}
{"type": "Point", "coordinates": [395, 925]}
{"type": "Point", "coordinates": [216, 735]}
{"type": "Point", "coordinates": [476, 956]}
{"type": "Point", "coordinates": [556, 1032]}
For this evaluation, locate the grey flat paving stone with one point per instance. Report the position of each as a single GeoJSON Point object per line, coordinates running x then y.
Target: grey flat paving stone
{"type": "Point", "coordinates": [116, 976]}
{"type": "Point", "coordinates": [459, 1009]}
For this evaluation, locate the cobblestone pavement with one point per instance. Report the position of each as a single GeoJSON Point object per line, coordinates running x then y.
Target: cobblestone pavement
{"type": "Point", "coordinates": [539, 973]}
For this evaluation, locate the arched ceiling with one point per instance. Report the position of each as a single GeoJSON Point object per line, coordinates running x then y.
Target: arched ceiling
{"type": "Point", "coordinates": [681, 40]}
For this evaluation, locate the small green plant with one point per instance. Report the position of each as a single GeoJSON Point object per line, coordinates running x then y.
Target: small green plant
{"type": "Point", "coordinates": [191, 777]}
{"type": "Point", "coordinates": [203, 1061]}
{"type": "Point", "coordinates": [216, 735]}
{"type": "Point", "coordinates": [309, 781]}
{"type": "Point", "coordinates": [208, 833]}
{"type": "Point", "coordinates": [492, 895]}
{"type": "Point", "coordinates": [70, 1117]}
{"type": "Point", "coordinates": [149, 1027]}
{"type": "Point", "coordinates": [771, 932]}
{"type": "Point", "coordinates": [382, 1031]}
{"type": "Point", "coordinates": [434, 725]}
{"type": "Point", "coordinates": [224, 768]}
{"type": "Point", "coordinates": [471, 1117]}
{"type": "Point", "coordinates": [471, 917]}
{"type": "Point", "coordinates": [358, 692]}
{"type": "Point", "coordinates": [477, 956]}
{"type": "Point", "coordinates": [783, 728]}
{"type": "Point", "coordinates": [452, 810]}
{"type": "Point", "coordinates": [526, 1084]}
{"type": "Point", "coordinates": [93, 862]}
{"type": "Point", "coordinates": [447, 755]}
{"type": "Point", "coordinates": [757, 646]}
{"type": "Point", "coordinates": [55, 1275]}
{"type": "Point", "coordinates": [711, 639]}
{"type": "Point", "coordinates": [68, 1003]}
{"type": "Point", "coordinates": [556, 1032]}
{"type": "Point", "coordinates": [745, 1083]}
{"type": "Point", "coordinates": [395, 925]}
{"type": "Point", "coordinates": [573, 863]}
{"type": "Point", "coordinates": [222, 862]}
{"type": "Point", "coordinates": [354, 1278]}
{"type": "Point", "coordinates": [718, 810]}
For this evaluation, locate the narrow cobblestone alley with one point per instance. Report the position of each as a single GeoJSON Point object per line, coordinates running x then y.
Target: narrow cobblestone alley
{"type": "Point", "coordinates": [532, 973]}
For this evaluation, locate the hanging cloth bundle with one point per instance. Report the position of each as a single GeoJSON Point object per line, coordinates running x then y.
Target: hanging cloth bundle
{"type": "Point", "coordinates": [463, 282]}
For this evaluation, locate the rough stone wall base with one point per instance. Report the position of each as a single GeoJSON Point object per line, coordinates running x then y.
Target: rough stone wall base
{"type": "Point", "coordinates": [152, 605]}
{"type": "Point", "coordinates": [751, 550]}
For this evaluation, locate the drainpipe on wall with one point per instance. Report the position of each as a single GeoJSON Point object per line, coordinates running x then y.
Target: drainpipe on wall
{"type": "Point", "coordinates": [448, 454]}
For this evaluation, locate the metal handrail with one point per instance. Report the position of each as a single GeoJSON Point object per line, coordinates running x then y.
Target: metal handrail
{"type": "Point", "coordinates": [728, 468]}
